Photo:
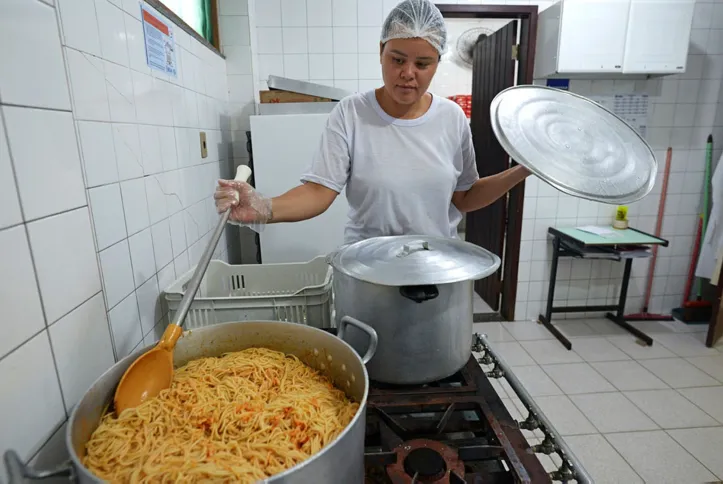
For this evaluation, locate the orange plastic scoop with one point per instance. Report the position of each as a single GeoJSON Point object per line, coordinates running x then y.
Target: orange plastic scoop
{"type": "Point", "coordinates": [152, 372]}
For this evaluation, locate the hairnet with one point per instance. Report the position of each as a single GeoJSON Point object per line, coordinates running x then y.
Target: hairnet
{"type": "Point", "coordinates": [416, 19]}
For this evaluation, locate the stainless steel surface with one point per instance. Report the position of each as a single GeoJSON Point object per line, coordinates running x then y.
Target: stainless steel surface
{"type": "Point", "coordinates": [296, 108]}
{"type": "Point", "coordinates": [341, 461]}
{"type": "Point", "coordinates": [309, 88]}
{"type": "Point", "coordinates": [418, 342]}
{"type": "Point", "coordinates": [195, 282]}
{"type": "Point", "coordinates": [576, 467]}
{"type": "Point", "coordinates": [242, 174]}
{"type": "Point", "coordinates": [20, 473]}
{"type": "Point", "coordinates": [373, 338]}
{"type": "Point", "coordinates": [414, 260]}
{"type": "Point", "coordinates": [574, 144]}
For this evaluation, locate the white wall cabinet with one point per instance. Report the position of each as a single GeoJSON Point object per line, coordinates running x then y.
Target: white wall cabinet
{"type": "Point", "coordinates": [658, 36]}
{"type": "Point", "coordinates": [579, 38]}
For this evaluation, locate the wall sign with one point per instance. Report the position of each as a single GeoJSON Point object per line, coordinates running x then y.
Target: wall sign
{"type": "Point", "coordinates": [562, 84]}
{"type": "Point", "coordinates": [634, 109]}
{"type": "Point", "coordinates": [159, 41]}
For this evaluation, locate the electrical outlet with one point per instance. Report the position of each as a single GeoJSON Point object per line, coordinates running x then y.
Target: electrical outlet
{"type": "Point", "coordinates": [204, 148]}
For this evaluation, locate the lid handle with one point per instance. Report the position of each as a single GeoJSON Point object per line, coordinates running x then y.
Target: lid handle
{"type": "Point", "coordinates": [412, 247]}
{"type": "Point", "coordinates": [419, 294]}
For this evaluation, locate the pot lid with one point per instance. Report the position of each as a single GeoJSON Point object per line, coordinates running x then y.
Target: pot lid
{"type": "Point", "coordinates": [574, 144]}
{"type": "Point", "coordinates": [414, 260]}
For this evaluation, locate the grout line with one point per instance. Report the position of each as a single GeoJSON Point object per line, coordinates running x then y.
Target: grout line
{"type": "Point", "coordinates": [108, 309]}
{"type": "Point", "coordinates": [624, 396]}
{"type": "Point", "coordinates": [13, 171]}
{"type": "Point", "coordinates": [689, 452]}
{"type": "Point", "coordinates": [640, 431]}
{"type": "Point", "coordinates": [55, 430]}
{"type": "Point", "coordinates": [157, 174]}
{"type": "Point", "coordinates": [695, 404]}
{"type": "Point", "coordinates": [57, 373]}
{"type": "Point", "coordinates": [617, 452]}
{"type": "Point", "coordinates": [75, 308]}
{"type": "Point", "coordinates": [32, 261]}
{"type": "Point", "coordinates": [44, 217]}
{"type": "Point", "coordinates": [47, 327]}
{"type": "Point", "coordinates": [23, 343]}
{"type": "Point", "coordinates": [39, 108]}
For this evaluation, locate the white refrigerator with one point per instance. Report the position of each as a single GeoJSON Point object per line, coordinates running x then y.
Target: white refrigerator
{"type": "Point", "coordinates": [283, 147]}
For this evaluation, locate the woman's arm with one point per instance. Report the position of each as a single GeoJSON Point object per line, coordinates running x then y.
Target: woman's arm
{"type": "Point", "coordinates": [302, 203]}
{"type": "Point", "coordinates": [487, 190]}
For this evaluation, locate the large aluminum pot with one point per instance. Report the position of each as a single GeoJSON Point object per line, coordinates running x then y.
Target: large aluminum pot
{"type": "Point", "coordinates": [417, 293]}
{"type": "Point", "coordinates": [341, 461]}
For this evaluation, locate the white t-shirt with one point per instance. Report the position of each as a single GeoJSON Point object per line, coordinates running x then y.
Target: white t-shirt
{"type": "Point", "coordinates": [399, 174]}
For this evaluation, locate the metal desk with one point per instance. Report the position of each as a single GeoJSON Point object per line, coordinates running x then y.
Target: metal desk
{"type": "Point", "coordinates": [571, 243]}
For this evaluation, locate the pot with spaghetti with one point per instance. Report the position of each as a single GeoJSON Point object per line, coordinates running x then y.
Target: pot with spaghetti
{"type": "Point", "coordinates": [250, 402]}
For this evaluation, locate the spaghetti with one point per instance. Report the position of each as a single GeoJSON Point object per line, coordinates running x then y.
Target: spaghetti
{"type": "Point", "coordinates": [241, 417]}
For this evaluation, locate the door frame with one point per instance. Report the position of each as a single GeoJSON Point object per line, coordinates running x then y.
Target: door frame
{"type": "Point", "coordinates": [527, 17]}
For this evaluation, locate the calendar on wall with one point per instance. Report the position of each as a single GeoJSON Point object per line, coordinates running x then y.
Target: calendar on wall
{"type": "Point", "coordinates": [633, 108]}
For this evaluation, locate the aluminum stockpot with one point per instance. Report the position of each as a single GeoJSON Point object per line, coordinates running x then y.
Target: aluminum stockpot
{"type": "Point", "coordinates": [340, 461]}
{"type": "Point", "coordinates": [417, 294]}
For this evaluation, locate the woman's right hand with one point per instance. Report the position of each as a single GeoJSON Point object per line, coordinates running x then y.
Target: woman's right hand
{"type": "Point", "coordinates": [247, 206]}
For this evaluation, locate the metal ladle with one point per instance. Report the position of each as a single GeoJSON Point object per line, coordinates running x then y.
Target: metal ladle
{"type": "Point", "coordinates": [152, 372]}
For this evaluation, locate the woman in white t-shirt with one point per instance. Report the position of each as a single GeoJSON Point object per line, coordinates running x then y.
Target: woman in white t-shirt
{"type": "Point", "coordinates": [404, 156]}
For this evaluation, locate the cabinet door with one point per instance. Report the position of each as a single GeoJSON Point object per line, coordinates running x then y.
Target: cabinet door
{"type": "Point", "coordinates": [658, 36]}
{"type": "Point", "coordinates": [592, 35]}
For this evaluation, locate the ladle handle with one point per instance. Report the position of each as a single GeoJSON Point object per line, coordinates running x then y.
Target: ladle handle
{"type": "Point", "coordinates": [243, 173]}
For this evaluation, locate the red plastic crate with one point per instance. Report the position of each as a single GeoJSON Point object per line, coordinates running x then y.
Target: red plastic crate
{"type": "Point", "coordinates": [465, 102]}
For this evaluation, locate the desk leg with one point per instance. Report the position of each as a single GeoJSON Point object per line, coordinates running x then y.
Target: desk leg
{"type": "Point", "coordinates": [619, 317]}
{"type": "Point", "coordinates": [546, 319]}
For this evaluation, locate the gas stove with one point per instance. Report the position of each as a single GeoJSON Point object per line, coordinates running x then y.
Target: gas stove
{"type": "Point", "coordinates": [453, 431]}
{"type": "Point", "coordinates": [458, 430]}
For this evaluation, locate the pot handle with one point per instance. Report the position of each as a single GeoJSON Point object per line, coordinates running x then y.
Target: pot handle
{"type": "Point", "coordinates": [330, 256]}
{"type": "Point", "coordinates": [19, 472]}
{"type": "Point", "coordinates": [419, 294]}
{"type": "Point", "coordinates": [373, 338]}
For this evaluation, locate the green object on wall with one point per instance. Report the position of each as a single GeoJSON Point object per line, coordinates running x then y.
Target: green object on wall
{"type": "Point", "coordinates": [706, 208]}
{"type": "Point", "coordinates": [207, 26]}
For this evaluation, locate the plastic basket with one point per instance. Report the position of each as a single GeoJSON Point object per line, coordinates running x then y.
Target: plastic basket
{"type": "Point", "coordinates": [294, 292]}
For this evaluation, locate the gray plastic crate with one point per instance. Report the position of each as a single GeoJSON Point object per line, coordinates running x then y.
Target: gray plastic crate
{"type": "Point", "coordinates": [295, 292]}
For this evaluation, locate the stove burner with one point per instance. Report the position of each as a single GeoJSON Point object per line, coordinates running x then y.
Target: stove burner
{"type": "Point", "coordinates": [427, 461]}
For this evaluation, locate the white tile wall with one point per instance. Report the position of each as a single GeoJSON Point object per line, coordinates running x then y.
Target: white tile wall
{"type": "Point", "coordinates": [82, 348]}
{"type": "Point", "coordinates": [299, 46]}
{"type": "Point", "coordinates": [23, 312]}
{"type": "Point", "coordinates": [63, 251]}
{"type": "Point", "coordinates": [99, 164]}
{"type": "Point", "coordinates": [48, 173]}
{"type": "Point", "coordinates": [42, 83]}
{"type": "Point", "coordinates": [270, 34]}
{"type": "Point", "coordinates": [10, 214]}
{"type": "Point", "coordinates": [35, 402]}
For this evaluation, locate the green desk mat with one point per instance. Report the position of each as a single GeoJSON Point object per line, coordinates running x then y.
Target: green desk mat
{"type": "Point", "coordinates": [624, 237]}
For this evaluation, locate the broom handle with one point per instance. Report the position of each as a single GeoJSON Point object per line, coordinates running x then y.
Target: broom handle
{"type": "Point", "coordinates": [658, 226]}
{"type": "Point", "coordinates": [704, 211]}
{"type": "Point", "coordinates": [706, 191]}
{"type": "Point", "coordinates": [693, 259]}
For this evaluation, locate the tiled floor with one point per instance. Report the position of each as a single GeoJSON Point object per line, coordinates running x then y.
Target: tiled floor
{"type": "Point", "coordinates": [630, 413]}
{"type": "Point", "coordinates": [480, 306]}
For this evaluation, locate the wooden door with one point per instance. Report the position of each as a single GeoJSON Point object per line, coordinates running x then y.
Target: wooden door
{"type": "Point", "coordinates": [493, 71]}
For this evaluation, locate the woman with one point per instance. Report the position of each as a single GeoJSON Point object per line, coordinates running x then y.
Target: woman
{"type": "Point", "coordinates": [404, 155]}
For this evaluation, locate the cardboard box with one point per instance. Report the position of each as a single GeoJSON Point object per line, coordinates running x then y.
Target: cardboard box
{"type": "Point", "coordinates": [277, 96]}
